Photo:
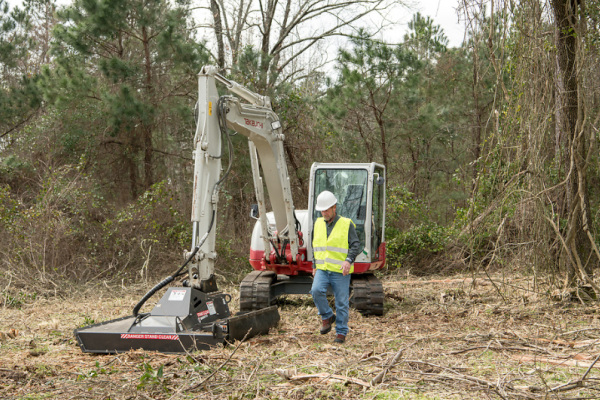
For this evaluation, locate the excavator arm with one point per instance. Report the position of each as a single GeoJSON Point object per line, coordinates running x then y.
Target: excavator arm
{"type": "Point", "coordinates": [255, 120]}
{"type": "Point", "coordinates": [196, 316]}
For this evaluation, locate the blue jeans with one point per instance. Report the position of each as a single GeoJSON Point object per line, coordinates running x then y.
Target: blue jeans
{"type": "Point", "coordinates": [341, 291]}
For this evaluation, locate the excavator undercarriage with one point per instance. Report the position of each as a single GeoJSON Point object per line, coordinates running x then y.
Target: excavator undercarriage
{"type": "Point", "coordinates": [260, 289]}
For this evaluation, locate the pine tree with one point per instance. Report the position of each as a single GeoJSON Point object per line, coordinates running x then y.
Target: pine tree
{"type": "Point", "coordinates": [19, 98]}
{"type": "Point", "coordinates": [131, 66]}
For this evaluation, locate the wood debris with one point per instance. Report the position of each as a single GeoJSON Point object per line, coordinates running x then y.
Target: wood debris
{"type": "Point", "coordinates": [479, 344]}
{"type": "Point", "coordinates": [321, 378]}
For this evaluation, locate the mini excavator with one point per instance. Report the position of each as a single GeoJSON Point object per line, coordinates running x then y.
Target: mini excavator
{"type": "Point", "coordinates": [196, 315]}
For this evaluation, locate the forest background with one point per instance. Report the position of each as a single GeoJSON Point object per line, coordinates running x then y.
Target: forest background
{"type": "Point", "coordinates": [490, 147]}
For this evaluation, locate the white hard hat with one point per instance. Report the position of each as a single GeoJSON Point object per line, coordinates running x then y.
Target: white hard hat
{"type": "Point", "coordinates": [325, 200]}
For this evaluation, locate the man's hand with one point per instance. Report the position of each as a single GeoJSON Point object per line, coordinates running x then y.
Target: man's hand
{"type": "Point", "coordinates": [314, 271]}
{"type": "Point", "coordinates": [346, 268]}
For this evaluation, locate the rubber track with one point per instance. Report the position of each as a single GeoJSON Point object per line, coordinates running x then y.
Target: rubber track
{"type": "Point", "coordinates": [255, 290]}
{"type": "Point", "coordinates": [367, 294]}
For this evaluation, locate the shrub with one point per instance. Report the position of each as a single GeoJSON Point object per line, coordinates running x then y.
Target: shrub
{"type": "Point", "coordinates": [412, 235]}
{"type": "Point", "coordinates": [65, 230]}
{"type": "Point", "coordinates": [417, 243]}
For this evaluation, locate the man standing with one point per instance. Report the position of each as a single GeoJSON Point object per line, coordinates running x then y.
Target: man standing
{"type": "Point", "coordinates": [335, 246]}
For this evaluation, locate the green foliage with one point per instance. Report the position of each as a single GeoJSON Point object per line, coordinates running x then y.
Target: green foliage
{"type": "Point", "coordinates": [66, 230]}
{"type": "Point", "coordinates": [247, 71]}
{"type": "Point", "coordinates": [152, 377]}
{"type": "Point", "coordinates": [426, 39]}
{"type": "Point", "coordinates": [87, 321]}
{"type": "Point", "coordinates": [79, 197]}
{"type": "Point", "coordinates": [153, 217]}
{"type": "Point", "coordinates": [96, 372]}
{"type": "Point", "coordinates": [393, 104]}
{"type": "Point", "coordinates": [233, 257]}
{"type": "Point", "coordinates": [411, 232]}
{"type": "Point", "coordinates": [16, 300]}
{"type": "Point", "coordinates": [418, 242]}
{"type": "Point", "coordinates": [8, 207]}
{"type": "Point", "coordinates": [150, 232]}
{"type": "Point", "coordinates": [19, 97]}
{"type": "Point", "coordinates": [403, 207]}
{"type": "Point", "coordinates": [46, 229]}
{"type": "Point", "coordinates": [132, 63]}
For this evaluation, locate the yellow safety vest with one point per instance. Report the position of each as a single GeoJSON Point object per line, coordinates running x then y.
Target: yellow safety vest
{"type": "Point", "coordinates": [330, 252]}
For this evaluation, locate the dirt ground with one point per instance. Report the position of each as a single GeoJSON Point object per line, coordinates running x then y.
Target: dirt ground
{"type": "Point", "coordinates": [446, 338]}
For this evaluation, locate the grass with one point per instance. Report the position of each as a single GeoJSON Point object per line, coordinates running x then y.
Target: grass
{"type": "Point", "coordinates": [469, 346]}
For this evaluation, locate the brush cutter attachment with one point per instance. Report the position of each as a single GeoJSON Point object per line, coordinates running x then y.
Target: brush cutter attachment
{"type": "Point", "coordinates": [184, 320]}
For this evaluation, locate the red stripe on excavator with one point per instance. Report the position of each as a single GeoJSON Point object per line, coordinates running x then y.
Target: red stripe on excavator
{"type": "Point", "coordinates": [256, 258]}
{"type": "Point", "coordinates": [148, 336]}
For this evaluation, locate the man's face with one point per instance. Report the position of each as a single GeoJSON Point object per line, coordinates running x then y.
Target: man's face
{"type": "Point", "coordinates": [329, 214]}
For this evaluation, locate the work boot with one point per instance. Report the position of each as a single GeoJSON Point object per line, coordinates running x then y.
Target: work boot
{"type": "Point", "coordinates": [339, 338]}
{"type": "Point", "coordinates": [327, 324]}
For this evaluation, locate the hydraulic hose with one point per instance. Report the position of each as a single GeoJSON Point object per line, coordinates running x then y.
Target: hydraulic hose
{"type": "Point", "coordinates": [221, 109]}
{"type": "Point", "coordinates": [150, 293]}
{"type": "Point", "coordinates": [170, 278]}
{"type": "Point", "coordinates": [162, 283]}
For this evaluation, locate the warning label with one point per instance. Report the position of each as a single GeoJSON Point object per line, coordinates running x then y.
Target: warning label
{"type": "Point", "coordinates": [148, 336]}
{"type": "Point", "coordinates": [211, 307]}
{"type": "Point", "coordinates": [177, 295]}
{"type": "Point", "coordinates": [202, 314]}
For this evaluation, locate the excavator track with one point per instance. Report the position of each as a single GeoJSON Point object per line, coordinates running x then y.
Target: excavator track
{"type": "Point", "coordinates": [255, 290]}
{"type": "Point", "coordinates": [367, 294]}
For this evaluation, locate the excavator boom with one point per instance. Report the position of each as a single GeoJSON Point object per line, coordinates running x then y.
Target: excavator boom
{"type": "Point", "coordinates": [255, 120]}
{"type": "Point", "coordinates": [196, 316]}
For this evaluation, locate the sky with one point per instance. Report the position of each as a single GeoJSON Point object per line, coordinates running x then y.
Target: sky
{"type": "Point", "coordinates": [443, 13]}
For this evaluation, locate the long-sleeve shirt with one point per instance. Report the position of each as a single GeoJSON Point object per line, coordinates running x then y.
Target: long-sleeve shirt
{"type": "Point", "coordinates": [354, 246]}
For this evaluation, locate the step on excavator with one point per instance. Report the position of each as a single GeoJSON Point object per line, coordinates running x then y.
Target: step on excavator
{"type": "Point", "coordinates": [196, 316]}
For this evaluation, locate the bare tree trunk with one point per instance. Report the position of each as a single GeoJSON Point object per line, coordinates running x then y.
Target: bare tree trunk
{"type": "Point", "coordinates": [148, 157]}
{"type": "Point", "coordinates": [476, 129]}
{"type": "Point", "coordinates": [216, 11]}
{"type": "Point", "coordinates": [268, 14]}
{"type": "Point", "coordinates": [147, 125]}
{"type": "Point", "coordinates": [364, 135]}
{"type": "Point", "coordinates": [414, 155]}
{"type": "Point", "coordinates": [288, 30]}
{"type": "Point", "coordinates": [578, 243]}
{"type": "Point", "coordinates": [383, 140]}
{"type": "Point", "coordinates": [132, 169]}
{"type": "Point", "coordinates": [378, 111]}
{"type": "Point", "coordinates": [295, 167]}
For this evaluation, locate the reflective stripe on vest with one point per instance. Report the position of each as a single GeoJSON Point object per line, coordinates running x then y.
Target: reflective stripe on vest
{"type": "Point", "coordinates": [330, 252]}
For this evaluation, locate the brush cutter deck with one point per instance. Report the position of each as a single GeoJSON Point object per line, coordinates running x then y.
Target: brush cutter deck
{"type": "Point", "coordinates": [185, 319]}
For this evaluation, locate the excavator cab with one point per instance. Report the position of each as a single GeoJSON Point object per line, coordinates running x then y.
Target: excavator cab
{"type": "Point", "coordinates": [360, 190]}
